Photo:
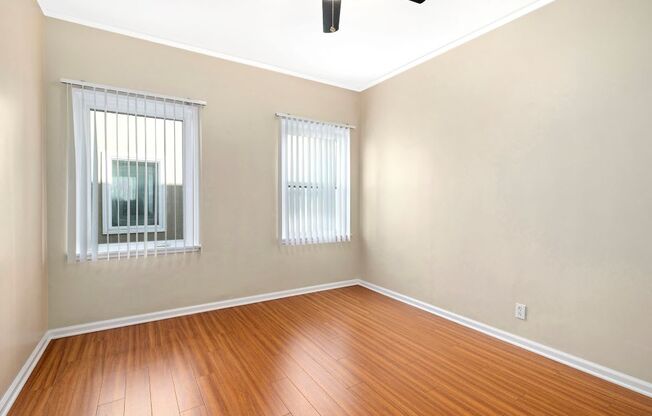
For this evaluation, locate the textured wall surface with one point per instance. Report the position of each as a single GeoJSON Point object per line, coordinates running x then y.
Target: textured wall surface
{"type": "Point", "coordinates": [240, 251]}
{"type": "Point", "coordinates": [518, 168]}
{"type": "Point", "coordinates": [23, 286]}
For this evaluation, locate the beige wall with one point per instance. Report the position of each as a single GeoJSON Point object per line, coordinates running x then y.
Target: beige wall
{"type": "Point", "coordinates": [518, 168]}
{"type": "Point", "coordinates": [240, 255]}
{"type": "Point", "coordinates": [23, 287]}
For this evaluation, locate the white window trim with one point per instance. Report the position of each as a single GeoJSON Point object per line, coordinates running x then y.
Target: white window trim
{"type": "Point", "coordinates": [169, 246]}
{"type": "Point", "coordinates": [86, 99]}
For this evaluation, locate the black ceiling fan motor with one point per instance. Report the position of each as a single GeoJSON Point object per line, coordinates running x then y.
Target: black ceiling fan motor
{"type": "Point", "coordinates": [331, 14]}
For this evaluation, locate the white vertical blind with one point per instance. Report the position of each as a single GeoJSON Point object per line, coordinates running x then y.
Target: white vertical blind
{"type": "Point", "coordinates": [136, 173]}
{"type": "Point", "coordinates": [314, 182]}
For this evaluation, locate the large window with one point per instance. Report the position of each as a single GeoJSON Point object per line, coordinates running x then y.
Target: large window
{"type": "Point", "coordinates": [314, 184]}
{"type": "Point", "coordinates": [136, 185]}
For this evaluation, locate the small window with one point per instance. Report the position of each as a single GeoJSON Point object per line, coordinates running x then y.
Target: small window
{"type": "Point", "coordinates": [130, 199]}
{"type": "Point", "coordinates": [314, 174]}
{"type": "Point", "coordinates": [136, 186]}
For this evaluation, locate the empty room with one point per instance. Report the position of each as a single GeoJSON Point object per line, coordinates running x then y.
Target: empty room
{"type": "Point", "coordinates": [326, 207]}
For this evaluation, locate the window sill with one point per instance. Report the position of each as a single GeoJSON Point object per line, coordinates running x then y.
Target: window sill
{"type": "Point", "coordinates": [140, 249]}
{"type": "Point", "coordinates": [308, 242]}
{"type": "Point", "coordinates": [134, 230]}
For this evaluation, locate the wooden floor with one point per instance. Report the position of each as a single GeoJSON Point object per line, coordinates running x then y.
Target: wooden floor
{"type": "Point", "coordinates": [341, 352]}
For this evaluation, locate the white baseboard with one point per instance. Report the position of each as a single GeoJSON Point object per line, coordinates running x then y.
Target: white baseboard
{"type": "Point", "coordinates": [16, 386]}
{"type": "Point", "coordinates": [189, 310]}
{"type": "Point", "coordinates": [608, 374]}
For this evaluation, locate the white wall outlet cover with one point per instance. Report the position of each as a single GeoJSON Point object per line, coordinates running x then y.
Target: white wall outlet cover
{"type": "Point", "coordinates": [520, 311]}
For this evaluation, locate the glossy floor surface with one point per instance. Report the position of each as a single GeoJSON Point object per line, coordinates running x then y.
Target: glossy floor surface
{"type": "Point", "coordinates": [347, 351]}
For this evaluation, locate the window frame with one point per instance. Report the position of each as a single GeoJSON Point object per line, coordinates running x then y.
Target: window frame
{"type": "Point", "coordinates": [327, 192]}
{"type": "Point", "coordinates": [84, 101]}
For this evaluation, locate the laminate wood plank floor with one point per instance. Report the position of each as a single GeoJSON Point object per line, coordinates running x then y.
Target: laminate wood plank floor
{"type": "Point", "coordinates": [347, 351]}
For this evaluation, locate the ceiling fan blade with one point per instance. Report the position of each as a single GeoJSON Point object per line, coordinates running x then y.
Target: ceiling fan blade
{"type": "Point", "coordinates": [331, 12]}
{"type": "Point", "coordinates": [418, 1]}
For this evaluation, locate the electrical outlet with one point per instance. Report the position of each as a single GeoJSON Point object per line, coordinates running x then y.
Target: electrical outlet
{"type": "Point", "coordinates": [520, 311]}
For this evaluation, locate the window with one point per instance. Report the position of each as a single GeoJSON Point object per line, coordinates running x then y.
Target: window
{"type": "Point", "coordinates": [314, 174]}
{"type": "Point", "coordinates": [130, 199]}
{"type": "Point", "coordinates": [136, 184]}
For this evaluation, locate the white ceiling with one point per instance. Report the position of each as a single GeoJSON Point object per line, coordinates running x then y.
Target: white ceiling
{"type": "Point", "coordinates": [377, 38]}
